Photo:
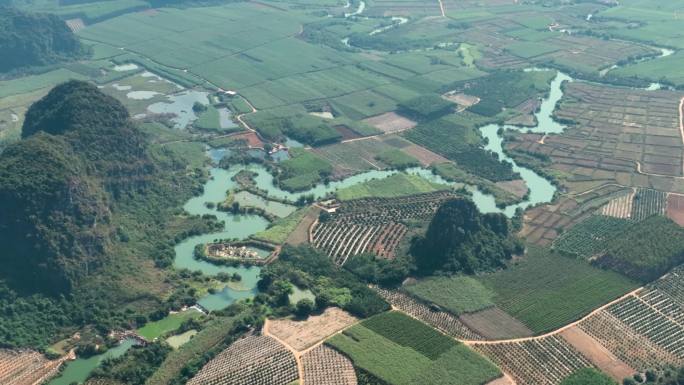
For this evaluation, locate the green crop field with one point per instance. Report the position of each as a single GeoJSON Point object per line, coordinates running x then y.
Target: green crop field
{"type": "Point", "coordinates": [458, 294]}
{"type": "Point", "coordinates": [589, 237]}
{"type": "Point", "coordinates": [156, 329]}
{"type": "Point", "coordinates": [461, 144]}
{"type": "Point", "coordinates": [303, 170]}
{"type": "Point", "coordinates": [397, 159]}
{"type": "Point", "coordinates": [546, 291]}
{"type": "Point", "coordinates": [399, 184]}
{"type": "Point", "coordinates": [36, 82]}
{"type": "Point", "coordinates": [278, 232]}
{"type": "Point", "coordinates": [647, 249]}
{"type": "Point", "coordinates": [400, 350]}
{"type": "Point", "coordinates": [668, 69]}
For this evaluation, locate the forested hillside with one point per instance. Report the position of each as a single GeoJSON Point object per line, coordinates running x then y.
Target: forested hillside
{"type": "Point", "coordinates": [33, 39]}
{"type": "Point", "coordinates": [460, 239]}
{"type": "Point", "coordinates": [83, 196]}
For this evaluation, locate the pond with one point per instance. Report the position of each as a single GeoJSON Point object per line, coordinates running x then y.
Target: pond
{"type": "Point", "coordinates": [226, 119]}
{"type": "Point", "coordinates": [180, 105]}
{"type": "Point", "coordinates": [78, 370]}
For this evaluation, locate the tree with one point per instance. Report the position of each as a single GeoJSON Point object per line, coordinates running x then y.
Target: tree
{"type": "Point", "coordinates": [304, 308]}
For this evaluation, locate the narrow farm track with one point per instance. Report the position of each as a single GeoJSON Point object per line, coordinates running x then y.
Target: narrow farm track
{"type": "Point", "coordinates": [239, 117]}
{"type": "Point", "coordinates": [297, 355]}
{"type": "Point", "coordinates": [441, 8]}
{"type": "Point", "coordinates": [557, 331]}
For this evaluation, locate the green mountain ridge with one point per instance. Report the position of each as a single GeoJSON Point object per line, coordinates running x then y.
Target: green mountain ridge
{"type": "Point", "coordinates": [34, 39]}
{"type": "Point", "coordinates": [57, 185]}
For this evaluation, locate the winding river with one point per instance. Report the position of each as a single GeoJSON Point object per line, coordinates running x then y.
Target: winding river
{"type": "Point", "coordinates": [242, 226]}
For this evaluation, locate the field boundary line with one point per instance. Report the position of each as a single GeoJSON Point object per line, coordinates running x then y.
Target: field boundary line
{"type": "Point", "coordinates": [632, 293]}
{"type": "Point", "coordinates": [297, 355]}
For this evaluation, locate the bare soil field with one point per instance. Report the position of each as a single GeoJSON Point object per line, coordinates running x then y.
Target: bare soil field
{"type": "Point", "coordinates": [495, 324]}
{"type": "Point", "coordinates": [675, 208]}
{"type": "Point", "coordinates": [300, 235]}
{"type": "Point", "coordinates": [462, 99]}
{"type": "Point", "coordinates": [597, 353]}
{"type": "Point", "coordinates": [251, 138]}
{"type": "Point", "coordinates": [302, 335]}
{"type": "Point", "coordinates": [505, 380]}
{"type": "Point", "coordinates": [346, 132]}
{"type": "Point", "coordinates": [620, 207]}
{"type": "Point", "coordinates": [424, 156]}
{"type": "Point", "coordinates": [390, 122]}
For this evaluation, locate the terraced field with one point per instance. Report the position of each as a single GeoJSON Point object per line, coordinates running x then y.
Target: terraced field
{"type": "Point", "coordinates": [373, 225]}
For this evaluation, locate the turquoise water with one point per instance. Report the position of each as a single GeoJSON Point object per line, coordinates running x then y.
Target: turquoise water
{"type": "Point", "coordinates": [242, 226]}
{"type": "Point", "coordinates": [79, 369]}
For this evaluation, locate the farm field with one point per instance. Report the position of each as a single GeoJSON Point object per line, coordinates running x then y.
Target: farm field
{"type": "Point", "coordinates": [400, 350]}
{"type": "Point", "coordinates": [675, 208]}
{"type": "Point", "coordinates": [244, 362]}
{"type": "Point", "coordinates": [456, 294]}
{"type": "Point", "coordinates": [205, 340]}
{"type": "Point", "coordinates": [374, 224]}
{"type": "Point", "coordinates": [312, 92]}
{"type": "Point", "coordinates": [543, 224]}
{"type": "Point", "coordinates": [646, 250]}
{"type": "Point", "coordinates": [397, 185]}
{"type": "Point", "coordinates": [279, 231]}
{"type": "Point", "coordinates": [445, 322]}
{"type": "Point", "coordinates": [620, 136]}
{"type": "Point", "coordinates": [325, 366]}
{"type": "Point", "coordinates": [303, 334]}
{"type": "Point", "coordinates": [588, 238]}
{"type": "Point", "coordinates": [20, 367]}
{"type": "Point", "coordinates": [521, 360]}
{"type": "Point", "coordinates": [564, 290]}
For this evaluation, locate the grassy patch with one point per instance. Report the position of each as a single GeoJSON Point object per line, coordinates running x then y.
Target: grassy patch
{"type": "Point", "coordinates": [303, 170]}
{"type": "Point", "coordinates": [401, 350]}
{"type": "Point", "coordinates": [459, 294]}
{"type": "Point", "coordinates": [156, 329]}
{"type": "Point", "coordinates": [278, 232]}
{"type": "Point", "coordinates": [546, 291]}
{"type": "Point", "coordinates": [396, 185]}
{"type": "Point", "coordinates": [397, 159]}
